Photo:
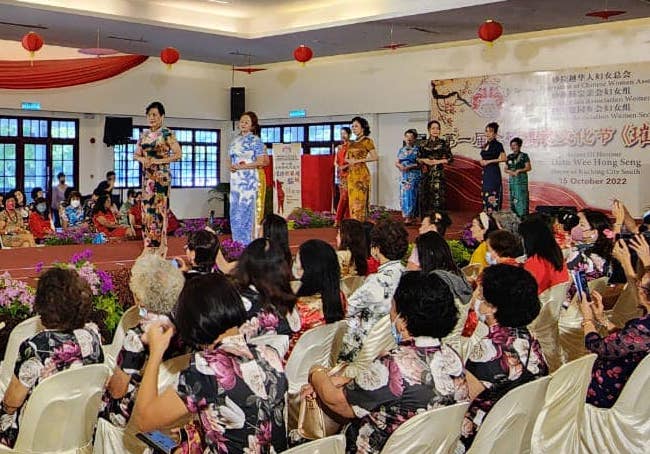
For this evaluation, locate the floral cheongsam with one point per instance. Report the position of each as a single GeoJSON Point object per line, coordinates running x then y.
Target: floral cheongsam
{"type": "Point", "coordinates": [42, 356]}
{"type": "Point", "coordinates": [359, 178]}
{"type": "Point", "coordinates": [367, 305]}
{"type": "Point", "coordinates": [244, 186]}
{"type": "Point", "coordinates": [497, 361]}
{"type": "Point", "coordinates": [74, 216]}
{"type": "Point", "coordinates": [155, 188]}
{"type": "Point", "coordinates": [238, 392]}
{"type": "Point", "coordinates": [418, 375]}
{"type": "Point", "coordinates": [618, 355]}
{"type": "Point", "coordinates": [432, 182]}
{"type": "Point", "coordinates": [261, 320]}
{"type": "Point", "coordinates": [492, 186]}
{"type": "Point", "coordinates": [518, 185]}
{"type": "Point", "coordinates": [410, 180]}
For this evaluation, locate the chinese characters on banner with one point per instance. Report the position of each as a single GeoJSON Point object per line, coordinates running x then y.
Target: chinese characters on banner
{"type": "Point", "coordinates": [586, 131]}
{"type": "Point", "coordinates": [287, 193]}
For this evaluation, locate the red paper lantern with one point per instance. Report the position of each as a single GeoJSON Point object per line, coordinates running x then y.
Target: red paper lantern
{"type": "Point", "coordinates": [490, 31]}
{"type": "Point", "coordinates": [32, 42]}
{"type": "Point", "coordinates": [169, 56]}
{"type": "Point", "coordinates": [303, 54]}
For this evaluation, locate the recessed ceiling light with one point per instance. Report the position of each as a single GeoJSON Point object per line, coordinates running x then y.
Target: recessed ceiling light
{"type": "Point", "coordinates": [221, 2]}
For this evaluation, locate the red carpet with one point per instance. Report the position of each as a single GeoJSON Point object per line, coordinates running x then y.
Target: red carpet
{"type": "Point", "coordinates": [21, 263]}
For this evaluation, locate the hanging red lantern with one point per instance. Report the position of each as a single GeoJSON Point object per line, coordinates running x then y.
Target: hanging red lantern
{"type": "Point", "coordinates": [303, 54]}
{"type": "Point", "coordinates": [490, 31]}
{"type": "Point", "coordinates": [32, 42]}
{"type": "Point", "coordinates": [169, 56]}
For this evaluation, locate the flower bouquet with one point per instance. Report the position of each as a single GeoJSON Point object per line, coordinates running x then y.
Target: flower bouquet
{"type": "Point", "coordinates": [107, 310]}
{"type": "Point", "coordinates": [232, 249]}
{"type": "Point", "coordinates": [16, 305]}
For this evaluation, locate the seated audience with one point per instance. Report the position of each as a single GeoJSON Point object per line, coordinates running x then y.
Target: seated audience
{"type": "Point", "coordinates": [320, 300]}
{"type": "Point", "coordinates": [506, 301]}
{"type": "Point", "coordinates": [73, 215]}
{"type": "Point", "coordinates": [370, 302]}
{"type": "Point", "coordinates": [235, 391]}
{"type": "Point", "coordinates": [435, 221]}
{"type": "Point", "coordinates": [482, 226]}
{"type": "Point", "coordinates": [275, 229]}
{"type": "Point", "coordinates": [155, 285]}
{"type": "Point", "coordinates": [621, 350]}
{"type": "Point", "coordinates": [420, 374]}
{"type": "Point", "coordinates": [21, 205]}
{"type": "Point", "coordinates": [36, 193]}
{"type": "Point", "coordinates": [373, 263]}
{"type": "Point", "coordinates": [126, 207]}
{"type": "Point", "coordinates": [544, 259]}
{"type": "Point", "coordinates": [12, 228]}
{"type": "Point", "coordinates": [263, 279]}
{"type": "Point", "coordinates": [201, 252]}
{"type": "Point", "coordinates": [106, 187]}
{"type": "Point", "coordinates": [105, 221]}
{"type": "Point", "coordinates": [2, 201]}
{"type": "Point", "coordinates": [135, 214]}
{"type": "Point", "coordinates": [352, 250]}
{"type": "Point", "coordinates": [63, 301]}
{"type": "Point", "coordinates": [40, 221]}
{"type": "Point", "coordinates": [504, 247]}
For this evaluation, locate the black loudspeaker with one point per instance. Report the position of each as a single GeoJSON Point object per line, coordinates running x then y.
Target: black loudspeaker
{"type": "Point", "coordinates": [237, 102]}
{"type": "Point", "coordinates": [117, 130]}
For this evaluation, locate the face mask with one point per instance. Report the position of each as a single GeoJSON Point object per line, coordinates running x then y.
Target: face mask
{"type": "Point", "coordinates": [75, 203]}
{"type": "Point", "coordinates": [396, 334]}
{"type": "Point", "coordinates": [490, 259]}
{"type": "Point", "coordinates": [41, 208]}
{"type": "Point", "coordinates": [477, 305]}
{"type": "Point", "coordinates": [142, 312]}
{"type": "Point", "coordinates": [296, 271]}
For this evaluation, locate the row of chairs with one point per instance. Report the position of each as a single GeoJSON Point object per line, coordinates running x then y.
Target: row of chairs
{"type": "Point", "coordinates": [548, 415]}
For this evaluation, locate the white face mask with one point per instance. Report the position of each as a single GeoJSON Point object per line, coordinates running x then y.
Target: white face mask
{"type": "Point", "coordinates": [75, 203]}
{"type": "Point", "coordinates": [296, 270]}
{"type": "Point", "coordinates": [477, 306]}
{"type": "Point", "coordinates": [490, 258]}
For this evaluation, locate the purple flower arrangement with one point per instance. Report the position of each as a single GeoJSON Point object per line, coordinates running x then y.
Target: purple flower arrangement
{"type": "Point", "coordinates": [380, 213]}
{"type": "Point", "coordinates": [79, 235]}
{"type": "Point", "coordinates": [16, 297]}
{"type": "Point", "coordinates": [219, 225]}
{"type": "Point", "coordinates": [232, 249]}
{"type": "Point", "coordinates": [303, 218]}
{"type": "Point", "coordinates": [466, 237]}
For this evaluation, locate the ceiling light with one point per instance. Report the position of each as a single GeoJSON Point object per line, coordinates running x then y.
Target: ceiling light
{"type": "Point", "coordinates": [221, 2]}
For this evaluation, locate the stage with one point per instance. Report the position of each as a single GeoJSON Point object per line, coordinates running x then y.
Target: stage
{"type": "Point", "coordinates": [22, 263]}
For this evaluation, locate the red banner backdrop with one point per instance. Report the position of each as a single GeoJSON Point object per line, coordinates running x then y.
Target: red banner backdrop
{"type": "Point", "coordinates": [317, 174]}
{"type": "Point", "coordinates": [19, 75]}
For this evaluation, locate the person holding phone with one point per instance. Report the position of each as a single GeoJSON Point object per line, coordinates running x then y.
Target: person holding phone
{"type": "Point", "coordinates": [236, 390]}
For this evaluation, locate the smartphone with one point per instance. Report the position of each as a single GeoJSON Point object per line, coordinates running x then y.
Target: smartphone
{"type": "Point", "coordinates": [160, 442]}
{"type": "Point", "coordinates": [580, 280]}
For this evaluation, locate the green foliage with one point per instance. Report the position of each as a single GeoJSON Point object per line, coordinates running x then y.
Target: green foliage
{"type": "Point", "coordinates": [459, 252]}
{"type": "Point", "coordinates": [110, 305]}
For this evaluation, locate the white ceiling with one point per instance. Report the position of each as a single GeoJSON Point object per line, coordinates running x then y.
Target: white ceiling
{"type": "Point", "coordinates": [269, 30]}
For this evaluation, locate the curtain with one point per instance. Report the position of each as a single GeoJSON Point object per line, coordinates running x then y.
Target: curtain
{"type": "Point", "coordinates": [21, 75]}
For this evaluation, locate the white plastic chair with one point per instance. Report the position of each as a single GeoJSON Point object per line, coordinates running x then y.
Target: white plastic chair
{"type": "Point", "coordinates": [280, 342]}
{"type": "Point", "coordinates": [545, 325]}
{"type": "Point", "coordinates": [557, 429]}
{"type": "Point", "coordinates": [24, 330]}
{"type": "Point", "coordinates": [130, 318]}
{"type": "Point", "coordinates": [432, 432]}
{"type": "Point", "coordinates": [328, 445]}
{"type": "Point", "coordinates": [61, 413]}
{"type": "Point", "coordinates": [378, 341]}
{"type": "Point", "coordinates": [313, 347]}
{"type": "Point", "coordinates": [508, 426]}
{"type": "Point", "coordinates": [626, 426]}
{"type": "Point", "coordinates": [350, 283]}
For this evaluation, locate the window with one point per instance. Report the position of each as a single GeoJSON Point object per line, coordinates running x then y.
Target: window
{"type": "Point", "coordinates": [198, 168]}
{"type": "Point", "coordinates": [34, 150]}
{"type": "Point", "coordinates": [316, 138]}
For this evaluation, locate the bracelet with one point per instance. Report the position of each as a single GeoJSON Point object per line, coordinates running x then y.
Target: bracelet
{"type": "Point", "coordinates": [588, 320]}
{"type": "Point", "coordinates": [318, 369]}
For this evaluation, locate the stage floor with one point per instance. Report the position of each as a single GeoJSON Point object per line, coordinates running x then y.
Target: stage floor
{"type": "Point", "coordinates": [21, 263]}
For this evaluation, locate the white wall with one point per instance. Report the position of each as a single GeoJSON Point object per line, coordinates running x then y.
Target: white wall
{"type": "Point", "coordinates": [391, 87]}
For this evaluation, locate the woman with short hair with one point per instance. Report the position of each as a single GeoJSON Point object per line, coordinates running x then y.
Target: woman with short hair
{"type": "Point", "coordinates": [236, 391]}
{"type": "Point", "coordinates": [506, 301]}
{"type": "Point", "coordinates": [433, 155]}
{"type": "Point", "coordinates": [421, 373]}
{"type": "Point", "coordinates": [360, 151]}
{"type": "Point", "coordinates": [504, 247]}
{"type": "Point", "coordinates": [64, 302]}
{"type": "Point", "coordinates": [73, 214]}
{"type": "Point", "coordinates": [155, 284]}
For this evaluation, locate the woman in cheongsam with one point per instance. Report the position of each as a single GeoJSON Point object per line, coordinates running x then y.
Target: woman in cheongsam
{"type": "Point", "coordinates": [156, 149]}
{"type": "Point", "coordinates": [492, 154]}
{"type": "Point", "coordinates": [247, 156]}
{"type": "Point", "coordinates": [410, 178]}
{"type": "Point", "coordinates": [517, 168]}
{"type": "Point", "coordinates": [433, 154]}
{"type": "Point", "coordinates": [360, 151]}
